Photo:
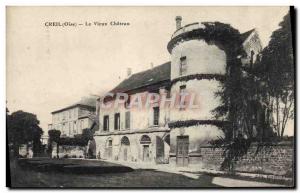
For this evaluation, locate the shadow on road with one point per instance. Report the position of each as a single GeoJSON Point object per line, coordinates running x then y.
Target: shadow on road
{"type": "Point", "coordinates": [71, 166]}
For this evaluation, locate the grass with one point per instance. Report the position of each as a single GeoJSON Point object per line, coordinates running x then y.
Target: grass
{"type": "Point", "coordinates": [33, 177]}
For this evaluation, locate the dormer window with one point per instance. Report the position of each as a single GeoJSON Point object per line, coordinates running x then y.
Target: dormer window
{"type": "Point", "coordinates": [182, 66]}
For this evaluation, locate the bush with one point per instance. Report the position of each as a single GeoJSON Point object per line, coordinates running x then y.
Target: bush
{"type": "Point", "coordinates": [54, 135]}
{"type": "Point", "coordinates": [73, 141]}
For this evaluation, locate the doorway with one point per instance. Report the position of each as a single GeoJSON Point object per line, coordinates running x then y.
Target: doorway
{"type": "Point", "coordinates": [146, 153]}
{"type": "Point", "coordinates": [182, 154]}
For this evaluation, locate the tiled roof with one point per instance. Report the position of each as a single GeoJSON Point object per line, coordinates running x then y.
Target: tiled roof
{"type": "Point", "coordinates": [148, 77]}
{"type": "Point", "coordinates": [85, 101]}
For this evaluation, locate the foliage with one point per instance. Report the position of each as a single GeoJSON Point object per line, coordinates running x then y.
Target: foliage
{"type": "Point", "coordinates": [233, 93]}
{"type": "Point", "coordinates": [198, 77]}
{"type": "Point", "coordinates": [54, 135]}
{"type": "Point", "coordinates": [278, 67]}
{"type": "Point", "coordinates": [22, 128]}
{"type": "Point", "coordinates": [77, 140]}
{"type": "Point", "coordinates": [189, 123]}
{"type": "Point", "coordinates": [243, 95]}
{"type": "Point", "coordinates": [214, 32]}
{"type": "Point", "coordinates": [87, 134]}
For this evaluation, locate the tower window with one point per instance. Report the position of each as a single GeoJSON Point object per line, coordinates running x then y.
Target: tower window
{"type": "Point", "coordinates": [183, 66]}
{"type": "Point", "coordinates": [181, 94]}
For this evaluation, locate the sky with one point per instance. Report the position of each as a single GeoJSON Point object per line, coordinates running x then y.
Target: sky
{"type": "Point", "coordinates": [49, 68]}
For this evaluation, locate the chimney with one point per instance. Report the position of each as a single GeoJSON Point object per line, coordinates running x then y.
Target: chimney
{"type": "Point", "coordinates": [129, 72]}
{"type": "Point", "coordinates": [151, 65]}
{"type": "Point", "coordinates": [178, 22]}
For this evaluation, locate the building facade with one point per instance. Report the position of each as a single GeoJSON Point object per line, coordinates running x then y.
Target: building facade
{"type": "Point", "coordinates": [134, 134]}
{"type": "Point", "coordinates": [72, 119]}
{"type": "Point", "coordinates": [165, 134]}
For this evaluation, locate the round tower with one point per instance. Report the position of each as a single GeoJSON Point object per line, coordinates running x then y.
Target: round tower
{"type": "Point", "coordinates": [198, 64]}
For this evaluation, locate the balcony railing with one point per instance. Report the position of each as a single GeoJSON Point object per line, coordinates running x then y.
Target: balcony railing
{"type": "Point", "coordinates": [187, 28]}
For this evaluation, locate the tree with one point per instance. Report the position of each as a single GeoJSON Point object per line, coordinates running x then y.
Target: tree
{"type": "Point", "coordinates": [54, 136]}
{"type": "Point", "coordinates": [278, 63]}
{"type": "Point", "coordinates": [87, 134]}
{"type": "Point", "coordinates": [22, 128]}
{"type": "Point", "coordinates": [240, 106]}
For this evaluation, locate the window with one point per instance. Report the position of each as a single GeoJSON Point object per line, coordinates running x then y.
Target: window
{"type": "Point", "coordinates": [110, 143]}
{"type": "Point", "coordinates": [127, 103]}
{"type": "Point", "coordinates": [127, 120]}
{"type": "Point", "coordinates": [181, 94]}
{"type": "Point", "coordinates": [74, 127]}
{"type": "Point", "coordinates": [183, 66]}
{"type": "Point", "coordinates": [106, 123]}
{"type": "Point", "coordinates": [155, 115]}
{"type": "Point", "coordinates": [168, 93]}
{"type": "Point", "coordinates": [117, 121]}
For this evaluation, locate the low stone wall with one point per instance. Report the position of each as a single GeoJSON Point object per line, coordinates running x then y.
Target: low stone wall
{"type": "Point", "coordinates": [67, 151]}
{"type": "Point", "coordinates": [275, 159]}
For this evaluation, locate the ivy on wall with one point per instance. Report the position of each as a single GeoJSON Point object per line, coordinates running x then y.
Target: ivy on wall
{"type": "Point", "coordinates": [189, 123]}
{"type": "Point", "coordinates": [218, 77]}
{"type": "Point", "coordinates": [222, 35]}
{"type": "Point", "coordinates": [229, 40]}
{"type": "Point", "coordinates": [73, 141]}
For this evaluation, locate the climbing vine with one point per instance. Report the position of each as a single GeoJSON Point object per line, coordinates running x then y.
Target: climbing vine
{"type": "Point", "coordinates": [218, 77]}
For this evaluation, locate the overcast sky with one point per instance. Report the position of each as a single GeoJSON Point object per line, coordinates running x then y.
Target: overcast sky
{"type": "Point", "coordinates": [51, 67]}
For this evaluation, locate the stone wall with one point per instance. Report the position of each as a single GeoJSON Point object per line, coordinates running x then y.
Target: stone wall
{"type": "Point", "coordinates": [67, 151]}
{"type": "Point", "coordinates": [276, 159]}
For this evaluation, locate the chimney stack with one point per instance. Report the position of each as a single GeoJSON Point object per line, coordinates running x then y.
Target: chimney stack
{"type": "Point", "coordinates": [178, 22]}
{"type": "Point", "coordinates": [129, 72]}
{"type": "Point", "coordinates": [151, 65]}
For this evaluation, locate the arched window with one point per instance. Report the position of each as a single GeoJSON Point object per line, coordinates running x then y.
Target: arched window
{"type": "Point", "coordinates": [125, 141]}
{"type": "Point", "coordinates": [145, 139]}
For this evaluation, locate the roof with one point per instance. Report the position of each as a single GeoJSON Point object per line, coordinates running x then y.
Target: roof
{"type": "Point", "coordinates": [89, 102]}
{"type": "Point", "coordinates": [90, 116]}
{"type": "Point", "coordinates": [246, 34]}
{"type": "Point", "coordinates": [148, 77]}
